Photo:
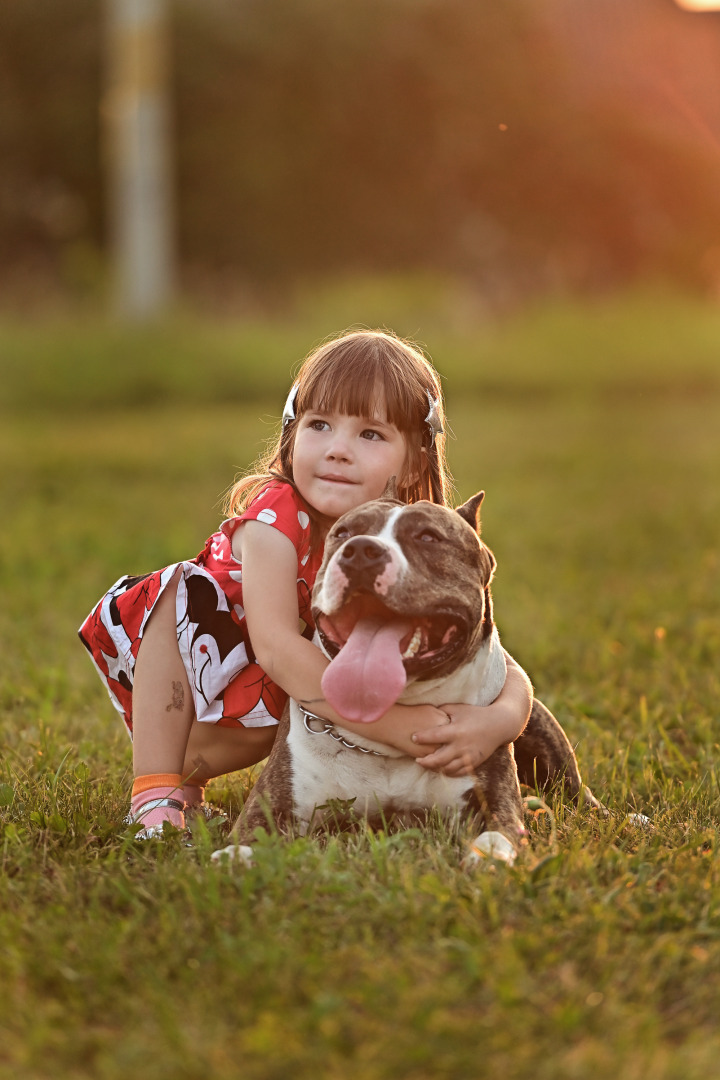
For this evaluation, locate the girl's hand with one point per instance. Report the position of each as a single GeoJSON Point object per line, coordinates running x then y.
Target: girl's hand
{"type": "Point", "coordinates": [476, 731]}
{"type": "Point", "coordinates": [472, 734]}
{"type": "Point", "coordinates": [398, 726]}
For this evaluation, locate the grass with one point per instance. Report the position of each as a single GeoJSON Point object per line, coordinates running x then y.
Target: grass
{"type": "Point", "coordinates": [372, 955]}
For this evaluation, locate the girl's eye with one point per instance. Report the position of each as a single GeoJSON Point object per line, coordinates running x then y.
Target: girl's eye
{"type": "Point", "coordinates": [371, 435]}
{"type": "Point", "coordinates": [427, 536]}
{"type": "Point", "coordinates": [317, 425]}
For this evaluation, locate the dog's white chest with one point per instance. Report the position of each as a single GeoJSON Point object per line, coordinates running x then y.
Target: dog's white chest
{"type": "Point", "coordinates": [323, 769]}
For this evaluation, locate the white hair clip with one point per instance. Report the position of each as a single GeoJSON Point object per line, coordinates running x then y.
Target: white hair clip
{"type": "Point", "coordinates": [289, 410]}
{"type": "Point", "coordinates": [433, 418]}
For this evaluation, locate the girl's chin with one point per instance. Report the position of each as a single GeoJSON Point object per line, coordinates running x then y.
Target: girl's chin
{"type": "Point", "coordinates": [332, 500]}
{"type": "Point", "coordinates": [336, 507]}
{"type": "Point", "coordinates": [331, 508]}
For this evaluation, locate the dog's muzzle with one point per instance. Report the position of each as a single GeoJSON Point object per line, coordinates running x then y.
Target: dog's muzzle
{"type": "Point", "coordinates": [434, 639]}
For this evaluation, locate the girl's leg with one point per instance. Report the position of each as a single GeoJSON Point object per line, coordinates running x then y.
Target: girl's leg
{"type": "Point", "coordinates": [162, 716]}
{"type": "Point", "coordinates": [169, 746]}
{"type": "Point", "coordinates": [213, 750]}
{"type": "Point", "coordinates": [162, 702]}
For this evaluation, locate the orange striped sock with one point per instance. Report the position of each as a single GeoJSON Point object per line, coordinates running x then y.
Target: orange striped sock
{"type": "Point", "coordinates": [162, 779]}
{"type": "Point", "coordinates": [157, 798]}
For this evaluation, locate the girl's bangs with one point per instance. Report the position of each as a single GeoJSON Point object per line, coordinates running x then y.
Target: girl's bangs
{"type": "Point", "coordinates": [347, 380]}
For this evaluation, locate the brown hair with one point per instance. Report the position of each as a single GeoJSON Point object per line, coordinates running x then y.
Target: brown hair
{"type": "Point", "coordinates": [343, 375]}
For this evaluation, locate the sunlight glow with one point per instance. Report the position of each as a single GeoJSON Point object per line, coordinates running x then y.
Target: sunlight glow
{"type": "Point", "coordinates": [699, 5]}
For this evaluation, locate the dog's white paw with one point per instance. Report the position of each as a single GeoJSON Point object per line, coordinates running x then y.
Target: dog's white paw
{"type": "Point", "coordinates": [640, 821]}
{"type": "Point", "coordinates": [240, 853]}
{"type": "Point", "coordinates": [493, 846]}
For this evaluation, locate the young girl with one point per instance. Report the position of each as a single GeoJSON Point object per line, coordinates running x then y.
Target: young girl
{"type": "Point", "coordinates": [199, 658]}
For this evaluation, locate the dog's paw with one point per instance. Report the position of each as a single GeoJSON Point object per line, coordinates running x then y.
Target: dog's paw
{"type": "Point", "coordinates": [639, 821]}
{"type": "Point", "coordinates": [236, 853]}
{"type": "Point", "coordinates": [490, 847]}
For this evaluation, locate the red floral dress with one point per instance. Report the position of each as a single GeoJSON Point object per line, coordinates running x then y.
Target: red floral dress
{"type": "Point", "coordinates": [228, 686]}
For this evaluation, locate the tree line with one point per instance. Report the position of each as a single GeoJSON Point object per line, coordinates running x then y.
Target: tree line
{"type": "Point", "coordinates": [313, 137]}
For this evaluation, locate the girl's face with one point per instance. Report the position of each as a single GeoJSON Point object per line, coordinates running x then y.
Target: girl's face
{"type": "Point", "coordinates": [340, 462]}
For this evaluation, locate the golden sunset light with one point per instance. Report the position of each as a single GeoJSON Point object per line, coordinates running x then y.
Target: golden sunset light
{"type": "Point", "coordinates": [699, 5]}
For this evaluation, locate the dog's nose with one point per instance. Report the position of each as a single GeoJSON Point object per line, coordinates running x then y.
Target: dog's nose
{"type": "Point", "coordinates": [362, 553]}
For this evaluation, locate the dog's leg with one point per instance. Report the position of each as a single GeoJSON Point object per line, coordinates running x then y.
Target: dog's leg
{"type": "Point", "coordinates": [496, 797]}
{"type": "Point", "coordinates": [268, 806]}
{"type": "Point", "coordinates": [545, 757]}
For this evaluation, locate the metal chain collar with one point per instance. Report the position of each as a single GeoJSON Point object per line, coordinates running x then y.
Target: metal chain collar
{"type": "Point", "coordinates": [329, 729]}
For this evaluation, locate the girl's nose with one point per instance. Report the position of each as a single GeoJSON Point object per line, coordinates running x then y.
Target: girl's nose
{"type": "Point", "coordinates": [338, 449]}
{"type": "Point", "coordinates": [339, 446]}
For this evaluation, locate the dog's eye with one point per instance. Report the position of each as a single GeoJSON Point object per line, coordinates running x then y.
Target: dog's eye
{"type": "Point", "coordinates": [427, 536]}
{"type": "Point", "coordinates": [341, 534]}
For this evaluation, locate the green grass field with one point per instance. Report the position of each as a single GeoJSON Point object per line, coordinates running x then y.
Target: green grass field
{"type": "Point", "coordinates": [594, 431]}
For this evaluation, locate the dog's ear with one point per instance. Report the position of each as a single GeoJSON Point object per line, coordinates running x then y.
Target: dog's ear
{"type": "Point", "coordinates": [391, 490]}
{"type": "Point", "coordinates": [491, 562]}
{"type": "Point", "coordinates": [470, 511]}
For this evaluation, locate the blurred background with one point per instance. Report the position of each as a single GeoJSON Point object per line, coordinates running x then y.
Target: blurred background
{"type": "Point", "coordinates": [524, 149]}
{"type": "Point", "coordinates": [194, 193]}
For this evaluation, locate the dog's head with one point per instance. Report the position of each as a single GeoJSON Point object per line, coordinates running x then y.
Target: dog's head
{"type": "Point", "coordinates": [402, 593]}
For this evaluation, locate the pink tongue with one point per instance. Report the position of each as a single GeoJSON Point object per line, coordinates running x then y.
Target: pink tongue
{"type": "Point", "coordinates": [367, 675]}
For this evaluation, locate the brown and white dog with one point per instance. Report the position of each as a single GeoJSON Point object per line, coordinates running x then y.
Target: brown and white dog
{"type": "Point", "coordinates": [403, 610]}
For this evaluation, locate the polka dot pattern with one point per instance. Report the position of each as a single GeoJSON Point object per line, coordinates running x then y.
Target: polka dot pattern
{"type": "Point", "coordinates": [303, 519]}
{"type": "Point", "coordinates": [268, 516]}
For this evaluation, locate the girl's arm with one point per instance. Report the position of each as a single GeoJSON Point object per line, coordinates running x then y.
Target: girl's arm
{"type": "Point", "coordinates": [269, 579]}
{"type": "Point", "coordinates": [476, 731]}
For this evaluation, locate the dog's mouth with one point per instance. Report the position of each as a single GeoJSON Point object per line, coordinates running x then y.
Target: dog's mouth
{"type": "Point", "coordinates": [373, 651]}
{"type": "Point", "coordinates": [430, 641]}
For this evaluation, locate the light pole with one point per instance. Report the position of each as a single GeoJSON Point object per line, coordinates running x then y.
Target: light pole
{"type": "Point", "coordinates": [136, 122]}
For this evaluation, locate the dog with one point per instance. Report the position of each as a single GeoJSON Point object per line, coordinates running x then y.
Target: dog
{"type": "Point", "coordinates": [403, 611]}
